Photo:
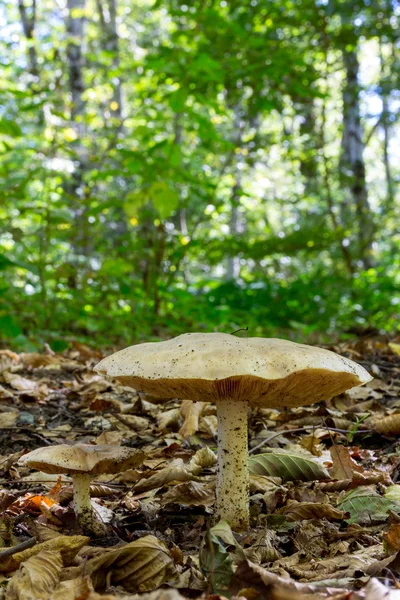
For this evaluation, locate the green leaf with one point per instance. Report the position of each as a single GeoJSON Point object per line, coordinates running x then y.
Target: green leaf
{"type": "Point", "coordinates": [216, 559]}
{"type": "Point", "coordinates": [8, 327]}
{"type": "Point", "coordinates": [134, 201]}
{"type": "Point", "coordinates": [165, 199]}
{"type": "Point", "coordinates": [365, 505]}
{"type": "Point", "coordinates": [287, 465]}
{"type": "Point", "coordinates": [10, 128]}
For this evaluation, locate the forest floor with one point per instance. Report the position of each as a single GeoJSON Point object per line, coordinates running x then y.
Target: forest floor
{"type": "Point", "coordinates": [325, 502]}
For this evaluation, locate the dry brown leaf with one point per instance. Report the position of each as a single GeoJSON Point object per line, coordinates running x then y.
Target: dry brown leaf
{"type": "Point", "coordinates": [21, 384]}
{"type": "Point", "coordinates": [8, 360]}
{"type": "Point", "coordinates": [209, 425]}
{"type": "Point", "coordinates": [114, 438]}
{"type": "Point", "coordinates": [298, 511]}
{"type": "Point", "coordinates": [191, 412]}
{"type": "Point", "coordinates": [8, 419]}
{"type": "Point", "coordinates": [341, 566]}
{"type": "Point", "coordinates": [389, 425]}
{"type": "Point", "coordinates": [311, 443]}
{"type": "Point", "coordinates": [169, 419]}
{"type": "Point", "coordinates": [66, 545]}
{"type": "Point", "coordinates": [251, 576]}
{"type": "Point", "coordinates": [395, 348]}
{"type": "Point", "coordinates": [178, 470]}
{"type": "Point", "coordinates": [5, 394]}
{"type": "Point", "coordinates": [344, 466]}
{"type": "Point", "coordinates": [392, 537]}
{"type": "Point", "coordinates": [191, 493]}
{"type": "Point", "coordinates": [263, 549]}
{"type": "Point", "coordinates": [141, 566]}
{"type": "Point", "coordinates": [41, 361]}
{"type": "Point", "coordinates": [134, 422]}
{"type": "Point", "coordinates": [37, 577]}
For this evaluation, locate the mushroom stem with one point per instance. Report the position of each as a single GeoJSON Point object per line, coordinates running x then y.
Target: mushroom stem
{"type": "Point", "coordinates": [83, 508]}
{"type": "Point", "coordinates": [233, 472]}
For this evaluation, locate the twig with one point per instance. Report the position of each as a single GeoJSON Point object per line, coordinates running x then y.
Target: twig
{"type": "Point", "coordinates": [18, 548]}
{"type": "Point", "coordinates": [299, 429]}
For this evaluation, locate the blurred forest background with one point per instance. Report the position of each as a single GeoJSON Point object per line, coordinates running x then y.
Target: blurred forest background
{"type": "Point", "coordinates": [210, 165]}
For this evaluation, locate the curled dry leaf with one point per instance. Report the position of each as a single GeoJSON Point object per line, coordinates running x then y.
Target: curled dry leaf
{"type": "Point", "coordinates": [191, 493]}
{"type": "Point", "coordinates": [178, 470]}
{"type": "Point", "coordinates": [37, 577]}
{"type": "Point", "coordinates": [367, 561]}
{"type": "Point", "coordinates": [21, 384]}
{"type": "Point", "coordinates": [387, 425]}
{"type": "Point", "coordinates": [191, 412]}
{"type": "Point", "coordinates": [65, 545]}
{"type": "Point", "coordinates": [169, 419]}
{"type": "Point", "coordinates": [263, 549]}
{"type": "Point", "coordinates": [298, 511]}
{"type": "Point", "coordinates": [344, 466]}
{"type": "Point", "coordinates": [254, 577]}
{"type": "Point", "coordinates": [141, 566]}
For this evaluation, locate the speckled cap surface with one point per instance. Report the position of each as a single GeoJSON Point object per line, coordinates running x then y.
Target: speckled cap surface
{"type": "Point", "coordinates": [82, 458]}
{"type": "Point", "coordinates": [266, 372]}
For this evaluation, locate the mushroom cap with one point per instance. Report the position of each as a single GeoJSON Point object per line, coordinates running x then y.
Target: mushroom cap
{"type": "Point", "coordinates": [82, 458]}
{"type": "Point", "coordinates": [266, 372]}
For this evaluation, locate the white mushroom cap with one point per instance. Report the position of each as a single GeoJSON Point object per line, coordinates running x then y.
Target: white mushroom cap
{"type": "Point", "coordinates": [82, 458]}
{"type": "Point", "coordinates": [266, 372]}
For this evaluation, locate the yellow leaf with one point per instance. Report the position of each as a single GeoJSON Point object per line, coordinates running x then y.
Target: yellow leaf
{"type": "Point", "coordinates": [36, 578]}
{"type": "Point", "coordinates": [395, 348]}
{"type": "Point", "coordinates": [141, 566]}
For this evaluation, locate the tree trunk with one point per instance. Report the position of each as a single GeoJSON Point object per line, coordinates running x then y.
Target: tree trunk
{"type": "Point", "coordinates": [75, 25]}
{"type": "Point", "coordinates": [28, 26]}
{"type": "Point", "coordinates": [233, 264]}
{"type": "Point", "coordinates": [108, 20]}
{"type": "Point", "coordinates": [352, 166]}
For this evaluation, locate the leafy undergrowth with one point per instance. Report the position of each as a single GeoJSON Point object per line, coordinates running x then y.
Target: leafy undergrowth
{"type": "Point", "coordinates": [325, 503]}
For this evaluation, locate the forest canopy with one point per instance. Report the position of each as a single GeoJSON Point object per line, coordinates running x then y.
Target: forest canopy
{"type": "Point", "coordinates": [208, 166]}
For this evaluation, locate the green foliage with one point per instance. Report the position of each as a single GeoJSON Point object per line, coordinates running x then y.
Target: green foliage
{"type": "Point", "coordinates": [190, 177]}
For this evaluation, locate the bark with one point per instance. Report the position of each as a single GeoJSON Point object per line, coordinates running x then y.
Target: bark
{"type": "Point", "coordinates": [108, 20]}
{"type": "Point", "coordinates": [308, 162]}
{"type": "Point", "coordinates": [352, 166]}
{"type": "Point", "coordinates": [235, 224]}
{"type": "Point", "coordinates": [75, 26]}
{"type": "Point", "coordinates": [28, 26]}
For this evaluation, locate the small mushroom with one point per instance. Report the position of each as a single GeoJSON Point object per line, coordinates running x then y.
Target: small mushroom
{"type": "Point", "coordinates": [235, 373]}
{"type": "Point", "coordinates": [83, 462]}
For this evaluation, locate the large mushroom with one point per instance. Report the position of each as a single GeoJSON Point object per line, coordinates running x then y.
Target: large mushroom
{"type": "Point", "coordinates": [235, 373]}
{"type": "Point", "coordinates": [83, 462]}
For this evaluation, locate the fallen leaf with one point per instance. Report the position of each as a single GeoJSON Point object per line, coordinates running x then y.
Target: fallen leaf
{"type": "Point", "coordinates": [287, 465]}
{"type": "Point", "coordinates": [395, 348]}
{"type": "Point", "coordinates": [365, 505]}
{"type": "Point", "coordinates": [251, 576]}
{"type": "Point", "coordinates": [141, 566]}
{"type": "Point", "coordinates": [191, 493]}
{"type": "Point", "coordinates": [389, 425]}
{"type": "Point", "coordinates": [344, 466]}
{"type": "Point", "coordinates": [191, 412]}
{"type": "Point", "coordinates": [21, 384]}
{"type": "Point", "coordinates": [65, 545]}
{"type": "Point", "coordinates": [37, 577]}
{"type": "Point", "coordinates": [298, 511]}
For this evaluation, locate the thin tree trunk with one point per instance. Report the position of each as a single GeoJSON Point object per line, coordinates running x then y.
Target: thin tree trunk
{"type": "Point", "coordinates": [352, 165]}
{"type": "Point", "coordinates": [108, 21]}
{"type": "Point", "coordinates": [75, 25]}
{"type": "Point", "coordinates": [233, 264]}
{"type": "Point", "coordinates": [28, 26]}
